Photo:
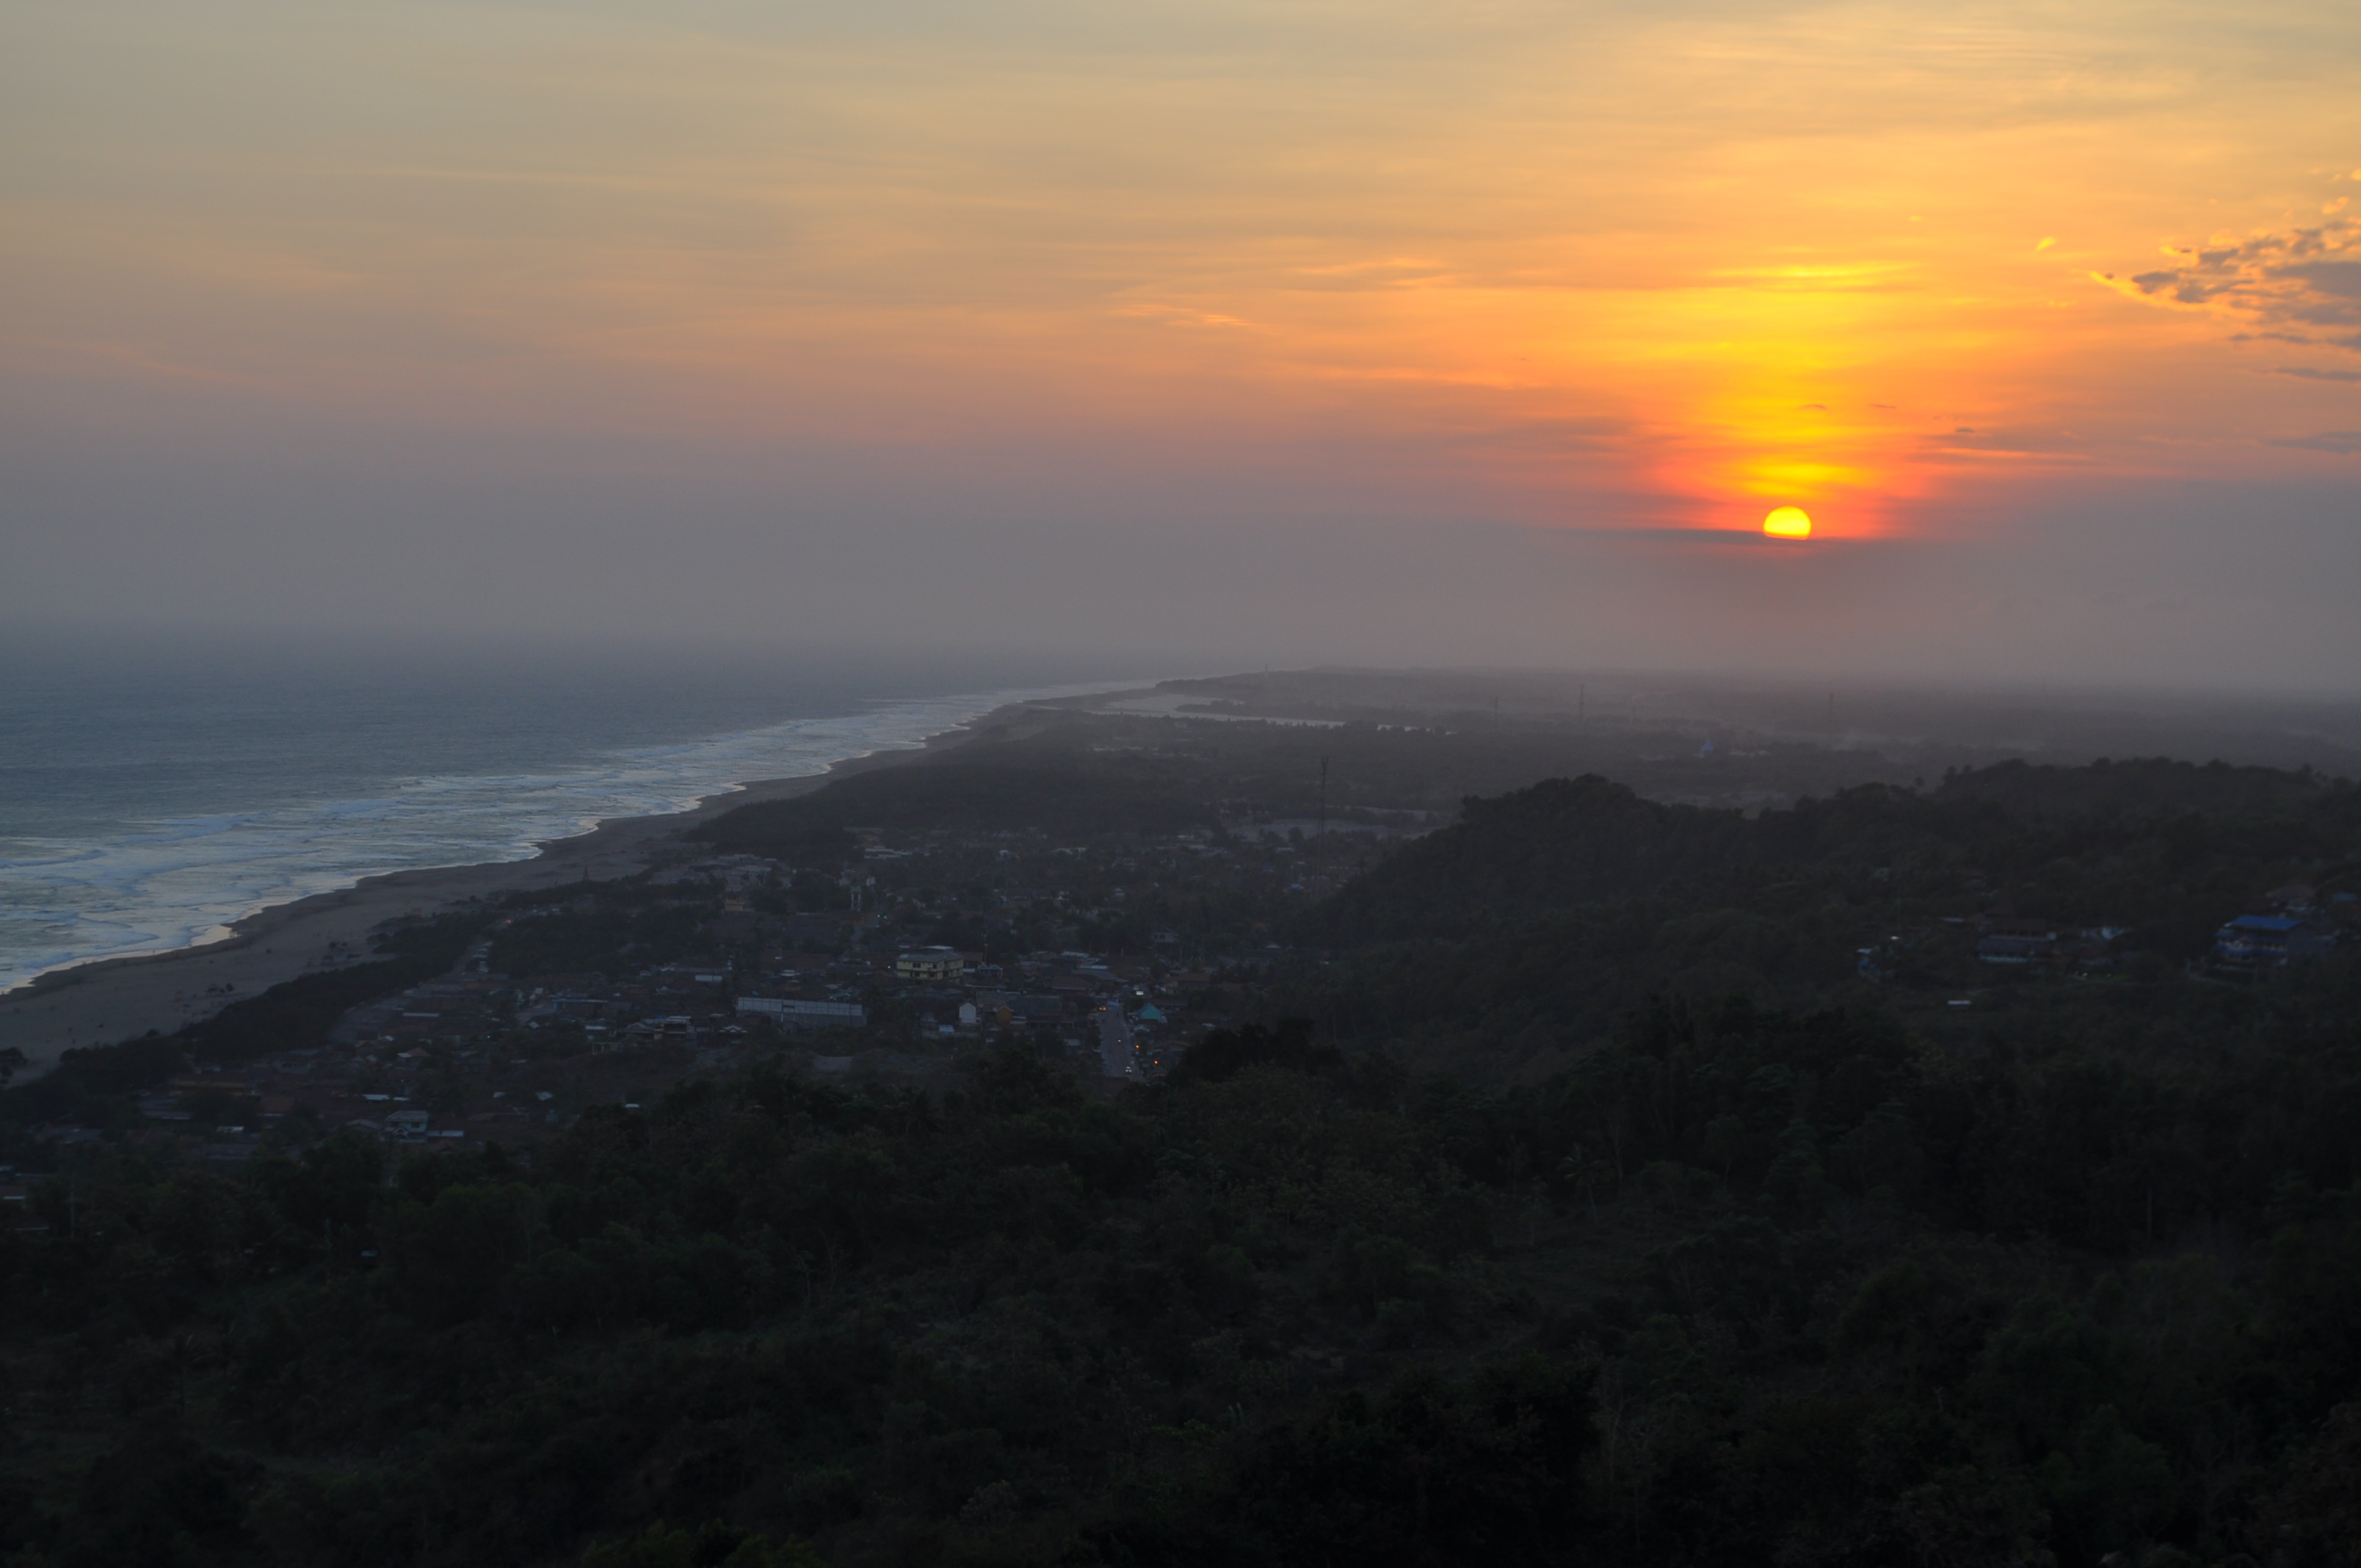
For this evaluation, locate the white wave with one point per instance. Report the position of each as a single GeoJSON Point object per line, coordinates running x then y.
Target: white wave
{"type": "Point", "coordinates": [177, 881]}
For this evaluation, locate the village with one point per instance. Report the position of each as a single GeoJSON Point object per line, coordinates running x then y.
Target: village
{"type": "Point", "coordinates": [706, 967]}
{"type": "Point", "coordinates": [895, 962]}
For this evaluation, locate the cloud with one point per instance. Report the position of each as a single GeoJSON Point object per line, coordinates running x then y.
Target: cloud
{"type": "Point", "coordinates": [2345, 443]}
{"type": "Point", "coordinates": [2295, 278]}
{"type": "Point", "coordinates": [2341, 279]}
{"type": "Point", "coordinates": [2310, 374]}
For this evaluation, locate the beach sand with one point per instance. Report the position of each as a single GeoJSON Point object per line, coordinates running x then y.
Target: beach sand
{"type": "Point", "coordinates": [109, 1000]}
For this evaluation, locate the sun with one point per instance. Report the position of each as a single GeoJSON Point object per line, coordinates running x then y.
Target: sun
{"type": "Point", "coordinates": [1788, 522]}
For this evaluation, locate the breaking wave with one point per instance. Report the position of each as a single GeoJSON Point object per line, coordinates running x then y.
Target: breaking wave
{"type": "Point", "coordinates": [173, 880]}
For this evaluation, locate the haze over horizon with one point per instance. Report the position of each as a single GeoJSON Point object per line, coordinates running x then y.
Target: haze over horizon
{"type": "Point", "coordinates": [1336, 332]}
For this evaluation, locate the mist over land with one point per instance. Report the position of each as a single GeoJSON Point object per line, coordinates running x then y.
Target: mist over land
{"type": "Point", "coordinates": [2196, 586]}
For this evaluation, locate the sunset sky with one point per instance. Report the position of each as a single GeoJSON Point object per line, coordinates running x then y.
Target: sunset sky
{"type": "Point", "coordinates": [1357, 329]}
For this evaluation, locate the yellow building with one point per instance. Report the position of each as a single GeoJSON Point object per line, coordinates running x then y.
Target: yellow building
{"type": "Point", "coordinates": [930, 965]}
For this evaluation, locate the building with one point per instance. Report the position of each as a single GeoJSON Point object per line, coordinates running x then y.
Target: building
{"type": "Point", "coordinates": [2255, 943]}
{"type": "Point", "coordinates": [931, 966]}
{"type": "Point", "coordinates": [799, 1014]}
{"type": "Point", "coordinates": [2011, 950]}
{"type": "Point", "coordinates": [661, 1026]}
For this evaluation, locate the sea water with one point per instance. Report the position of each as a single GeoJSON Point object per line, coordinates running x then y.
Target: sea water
{"type": "Point", "coordinates": [150, 797]}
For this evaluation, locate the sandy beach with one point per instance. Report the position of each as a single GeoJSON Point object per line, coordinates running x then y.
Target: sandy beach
{"type": "Point", "coordinates": [116, 999]}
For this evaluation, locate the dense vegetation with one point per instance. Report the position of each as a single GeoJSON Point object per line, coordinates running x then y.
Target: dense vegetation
{"type": "Point", "coordinates": [1779, 1260]}
{"type": "Point", "coordinates": [1501, 948]}
{"type": "Point", "coordinates": [614, 938]}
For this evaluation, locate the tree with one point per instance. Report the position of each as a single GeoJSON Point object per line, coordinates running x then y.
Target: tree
{"type": "Point", "coordinates": [713, 1546]}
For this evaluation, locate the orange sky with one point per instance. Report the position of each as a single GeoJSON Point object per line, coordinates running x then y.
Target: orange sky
{"type": "Point", "coordinates": [1578, 265]}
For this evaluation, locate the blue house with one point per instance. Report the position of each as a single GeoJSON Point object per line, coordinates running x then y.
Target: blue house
{"type": "Point", "coordinates": [2257, 942]}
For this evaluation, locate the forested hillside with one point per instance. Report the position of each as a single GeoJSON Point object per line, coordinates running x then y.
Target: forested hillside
{"type": "Point", "coordinates": [1605, 1182]}
{"type": "Point", "coordinates": [1501, 947]}
{"type": "Point", "coordinates": [2134, 840]}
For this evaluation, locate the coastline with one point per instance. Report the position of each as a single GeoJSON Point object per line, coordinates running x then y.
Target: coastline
{"type": "Point", "coordinates": [104, 1001]}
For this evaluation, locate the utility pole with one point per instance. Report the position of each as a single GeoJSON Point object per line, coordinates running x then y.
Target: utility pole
{"type": "Point", "coordinates": [1323, 834]}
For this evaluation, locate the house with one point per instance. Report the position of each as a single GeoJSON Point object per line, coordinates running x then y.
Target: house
{"type": "Point", "coordinates": [797, 1014]}
{"type": "Point", "coordinates": [931, 965]}
{"type": "Point", "coordinates": [408, 1125]}
{"type": "Point", "coordinates": [2010, 949]}
{"type": "Point", "coordinates": [2254, 943]}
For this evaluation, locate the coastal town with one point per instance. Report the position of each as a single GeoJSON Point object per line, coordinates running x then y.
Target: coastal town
{"type": "Point", "coordinates": [911, 955]}
{"type": "Point", "coordinates": [893, 963]}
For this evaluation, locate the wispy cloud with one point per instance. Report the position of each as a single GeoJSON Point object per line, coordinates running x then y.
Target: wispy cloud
{"type": "Point", "coordinates": [2343, 442]}
{"type": "Point", "coordinates": [1180, 315]}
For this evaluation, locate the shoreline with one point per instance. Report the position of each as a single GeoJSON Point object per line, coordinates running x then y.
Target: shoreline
{"type": "Point", "coordinates": [105, 1001]}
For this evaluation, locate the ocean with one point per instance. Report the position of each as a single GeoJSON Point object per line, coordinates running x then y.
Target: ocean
{"type": "Point", "coordinates": [150, 796]}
